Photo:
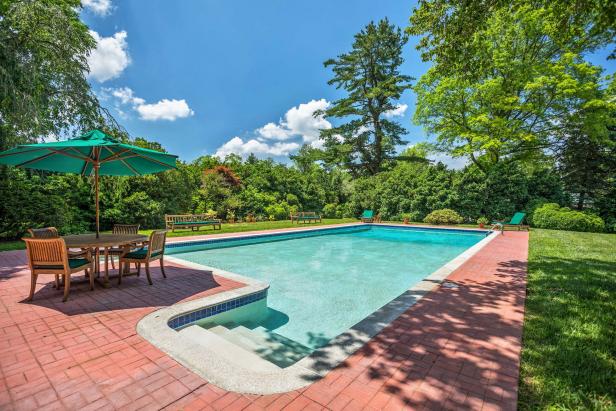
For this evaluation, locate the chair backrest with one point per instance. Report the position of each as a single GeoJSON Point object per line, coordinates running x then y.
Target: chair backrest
{"type": "Point", "coordinates": [46, 252]}
{"type": "Point", "coordinates": [47, 232]}
{"type": "Point", "coordinates": [125, 229]}
{"type": "Point", "coordinates": [367, 214]}
{"type": "Point", "coordinates": [157, 242]}
{"type": "Point", "coordinates": [517, 218]}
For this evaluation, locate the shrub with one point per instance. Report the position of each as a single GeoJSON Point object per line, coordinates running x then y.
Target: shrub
{"type": "Point", "coordinates": [444, 216]}
{"type": "Point", "coordinates": [331, 211]}
{"type": "Point", "coordinates": [482, 220]}
{"type": "Point", "coordinates": [280, 211]}
{"type": "Point", "coordinates": [553, 216]}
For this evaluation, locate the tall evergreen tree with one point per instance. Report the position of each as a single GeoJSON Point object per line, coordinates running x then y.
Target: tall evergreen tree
{"type": "Point", "coordinates": [370, 74]}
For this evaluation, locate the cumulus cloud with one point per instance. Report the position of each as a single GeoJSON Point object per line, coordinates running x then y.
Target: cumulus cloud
{"type": "Point", "coordinates": [126, 96]}
{"type": "Point", "coordinates": [110, 57]}
{"type": "Point", "coordinates": [273, 131]}
{"type": "Point", "coordinates": [298, 126]}
{"type": "Point", "coordinates": [298, 121]}
{"type": "Point", "coordinates": [100, 7]}
{"type": "Point", "coordinates": [165, 109]}
{"type": "Point", "coordinates": [396, 112]}
{"type": "Point", "coordinates": [238, 146]}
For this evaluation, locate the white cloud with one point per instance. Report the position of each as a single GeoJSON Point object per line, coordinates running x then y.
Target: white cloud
{"type": "Point", "coordinates": [396, 112]}
{"type": "Point", "coordinates": [238, 146]}
{"type": "Point", "coordinates": [273, 131]}
{"type": "Point", "coordinates": [126, 96]}
{"type": "Point", "coordinates": [165, 109]}
{"type": "Point", "coordinates": [298, 121]}
{"type": "Point", "coordinates": [298, 126]}
{"type": "Point", "coordinates": [100, 7]}
{"type": "Point", "coordinates": [110, 57]}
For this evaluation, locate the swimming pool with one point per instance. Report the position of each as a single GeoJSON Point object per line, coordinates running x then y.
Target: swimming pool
{"type": "Point", "coordinates": [321, 285]}
{"type": "Point", "coordinates": [310, 298]}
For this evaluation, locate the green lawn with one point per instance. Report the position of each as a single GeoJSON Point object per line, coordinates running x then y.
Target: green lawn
{"type": "Point", "coordinates": [226, 228]}
{"type": "Point", "coordinates": [569, 345]}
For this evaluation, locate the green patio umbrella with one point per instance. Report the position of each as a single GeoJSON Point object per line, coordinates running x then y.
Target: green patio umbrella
{"type": "Point", "coordinates": [94, 153]}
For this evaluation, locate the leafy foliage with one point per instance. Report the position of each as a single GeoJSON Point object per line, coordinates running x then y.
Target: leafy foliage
{"type": "Point", "coordinates": [370, 74]}
{"type": "Point", "coordinates": [551, 215]}
{"type": "Point", "coordinates": [444, 216]}
{"type": "Point", "coordinates": [43, 89]}
{"type": "Point", "coordinates": [519, 96]}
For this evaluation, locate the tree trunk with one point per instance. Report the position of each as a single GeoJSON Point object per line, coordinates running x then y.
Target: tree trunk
{"type": "Point", "coordinates": [580, 202]}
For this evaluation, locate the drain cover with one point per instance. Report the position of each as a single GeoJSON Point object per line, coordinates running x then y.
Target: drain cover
{"type": "Point", "coordinates": [449, 284]}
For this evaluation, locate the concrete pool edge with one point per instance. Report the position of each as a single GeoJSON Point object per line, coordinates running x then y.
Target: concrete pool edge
{"type": "Point", "coordinates": [218, 370]}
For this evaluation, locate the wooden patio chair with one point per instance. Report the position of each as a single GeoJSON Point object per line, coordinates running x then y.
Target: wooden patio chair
{"type": "Point", "coordinates": [121, 229]}
{"type": "Point", "coordinates": [50, 256]}
{"type": "Point", "coordinates": [155, 251]}
{"type": "Point", "coordinates": [52, 232]}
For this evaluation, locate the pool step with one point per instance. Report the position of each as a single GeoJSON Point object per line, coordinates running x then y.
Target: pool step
{"type": "Point", "coordinates": [268, 345]}
{"type": "Point", "coordinates": [223, 347]}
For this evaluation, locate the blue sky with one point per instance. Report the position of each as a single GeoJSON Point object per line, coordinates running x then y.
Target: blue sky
{"type": "Point", "coordinates": [210, 76]}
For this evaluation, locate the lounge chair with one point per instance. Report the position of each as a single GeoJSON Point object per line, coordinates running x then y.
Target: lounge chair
{"type": "Point", "coordinates": [516, 221]}
{"type": "Point", "coordinates": [155, 251]}
{"type": "Point", "coordinates": [367, 216]}
{"type": "Point", "coordinates": [50, 256]}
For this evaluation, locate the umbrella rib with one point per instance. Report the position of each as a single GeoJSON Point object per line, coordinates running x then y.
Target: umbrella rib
{"type": "Point", "coordinates": [114, 156]}
{"type": "Point", "coordinates": [34, 160]}
{"type": "Point", "coordinates": [154, 161]}
{"type": "Point", "coordinates": [85, 164]}
{"type": "Point", "coordinates": [130, 167]}
{"type": "Point", "coordinates": [120, 159]}
{"type": "Point", "coordinates": [52, 152]}
{"type": "Point", "coordinates": [23, 152]}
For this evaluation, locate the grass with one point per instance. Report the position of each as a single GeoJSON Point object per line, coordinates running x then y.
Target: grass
{"type": "Point", "coordinates": [569, 343]}
{"type": "Point", "coordinates": [226, 228]}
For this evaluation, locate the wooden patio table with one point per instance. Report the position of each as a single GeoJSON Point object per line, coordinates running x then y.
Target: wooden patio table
{"type": "Point", "coordinates": [104, 242]}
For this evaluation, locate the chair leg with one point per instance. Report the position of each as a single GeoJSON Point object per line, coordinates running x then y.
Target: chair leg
{"type": "Point", "coordinates": [120, 271]}
{"type": "Point", "coordinates": [56, 284]}
{"type": "Point", "coordinates": [91, 277]}
{"type": "Point", "coordinates": [32, 286]}
{"type": "Point", "coordinates": [147, 272]}
{"type": "Point", "coordinates": [113, 263]}
{"type": "Point", "coordinates": [138, 265]}
{"type": "Point", "coordinates": [67, 286]}
{"type": "Point", "coordinates": [162, 268]}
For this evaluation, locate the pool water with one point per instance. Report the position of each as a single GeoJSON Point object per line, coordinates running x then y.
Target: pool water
{"type": "Point", "coordinates": [321, 286]}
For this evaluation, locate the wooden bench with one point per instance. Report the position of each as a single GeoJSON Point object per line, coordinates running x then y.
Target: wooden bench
{"type": "Point", "coordinates": [305, 216]}
{"type": "Point", "coordinates": [192, 221]}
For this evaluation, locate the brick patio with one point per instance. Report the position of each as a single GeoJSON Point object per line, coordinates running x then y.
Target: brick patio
{"type": "Point", "coordinates": [458, 348]}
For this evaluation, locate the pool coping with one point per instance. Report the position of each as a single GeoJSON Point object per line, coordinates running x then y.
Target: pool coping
{"type": "Point", "coordinates": [225, 374]}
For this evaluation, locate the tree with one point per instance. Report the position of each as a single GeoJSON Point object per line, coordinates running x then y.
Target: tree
{"type": "Point", "coordinates": [370, 75]}
{"type": "Point", "coordinates": [587, 151]}
{"type": "Point", "coordinates": [448, 28]}
{"type": "Point", "coordinates": [43, 62]}
{"type": "Point", "coordinates": [511, 102]}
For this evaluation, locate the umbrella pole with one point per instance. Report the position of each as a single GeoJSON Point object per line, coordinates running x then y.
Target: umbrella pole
{"type": "Point", "coordinates": [96, 166]}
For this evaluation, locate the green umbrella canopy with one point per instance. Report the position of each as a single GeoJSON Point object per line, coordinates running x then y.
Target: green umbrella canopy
{"type": "Point", "coordinates": [93, 153]}
{"type": "Point", "coordinates": [79, 155]}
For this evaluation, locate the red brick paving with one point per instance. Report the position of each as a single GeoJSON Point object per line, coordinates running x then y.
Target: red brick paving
{"type": "Point", "coordinates": [455, 349]}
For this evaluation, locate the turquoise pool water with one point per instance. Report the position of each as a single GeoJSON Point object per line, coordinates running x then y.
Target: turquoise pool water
{"type": "Point", "coordinates": [321, 286]}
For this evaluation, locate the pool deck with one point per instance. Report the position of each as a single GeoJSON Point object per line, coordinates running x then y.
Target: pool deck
{"type": "Point", "coordinates": [457, 348]}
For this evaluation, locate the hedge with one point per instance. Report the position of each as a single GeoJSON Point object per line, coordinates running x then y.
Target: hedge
{"type": "Point", "coordinates": [553, 216]}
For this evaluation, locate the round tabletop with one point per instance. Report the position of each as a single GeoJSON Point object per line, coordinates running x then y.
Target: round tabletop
{"type": "Point", "coordinates": [104, 240]}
